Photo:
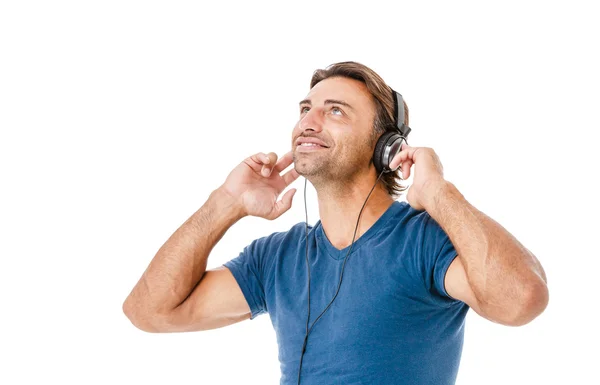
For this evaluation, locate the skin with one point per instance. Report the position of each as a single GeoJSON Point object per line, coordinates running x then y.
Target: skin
{"type": "Point", "coordinates": [494, 273]}
{"type": "Point", "coordinates": [342, 174]}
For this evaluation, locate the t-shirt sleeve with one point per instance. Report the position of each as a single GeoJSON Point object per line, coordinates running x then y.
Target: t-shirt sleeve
{"type": "Point", "coordinates": [248, 270]}
{"type": "Point", "coordinates": [436, 252]}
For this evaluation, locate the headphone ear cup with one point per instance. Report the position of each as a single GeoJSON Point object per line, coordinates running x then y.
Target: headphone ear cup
{"type": "Point", "coordinates": [379, 159]}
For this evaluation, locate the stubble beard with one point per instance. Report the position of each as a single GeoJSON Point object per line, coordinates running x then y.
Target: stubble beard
{"type": "Point", "coordinates": [323, 170]}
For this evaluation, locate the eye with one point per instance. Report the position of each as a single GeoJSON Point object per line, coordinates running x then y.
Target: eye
{"type": "Point", "coordinates": [304, 109]}
{"type": "Point", "coordinates": [337, 111]}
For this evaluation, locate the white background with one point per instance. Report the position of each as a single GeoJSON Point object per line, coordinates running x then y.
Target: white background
{"type": "Point", "coordinates": [118, 118]}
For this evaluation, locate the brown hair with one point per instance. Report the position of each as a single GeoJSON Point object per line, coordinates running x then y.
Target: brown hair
{"type": "Point", "coordinates": [384, 104]}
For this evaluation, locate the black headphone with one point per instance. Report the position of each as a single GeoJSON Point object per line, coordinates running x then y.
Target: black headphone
{"type": "Point", "coordinates": [388, 145]}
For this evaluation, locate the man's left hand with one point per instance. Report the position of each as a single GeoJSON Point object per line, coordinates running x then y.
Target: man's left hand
{"type": "Point", "coordinates": [429, 174]}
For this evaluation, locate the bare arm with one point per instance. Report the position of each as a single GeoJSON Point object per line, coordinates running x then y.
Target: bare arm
{"type": "Point", "coordinates": [176, 293]}
{"type": "Point", "coordinates": [494, 273]}
{"type": "Point", "coordinates": [179, 265]}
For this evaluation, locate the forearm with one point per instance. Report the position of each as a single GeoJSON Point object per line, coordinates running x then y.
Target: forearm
{"type": "Point", "coordinates": [504, 276]}
{"type": "Point", "coordinates": [181, 262]}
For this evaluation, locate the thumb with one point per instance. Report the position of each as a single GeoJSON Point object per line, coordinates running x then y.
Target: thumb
{"type": "Point", "coordinates": [284, 204]}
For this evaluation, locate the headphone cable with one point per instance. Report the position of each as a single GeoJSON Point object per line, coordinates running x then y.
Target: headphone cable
{"type": "Point", "coordinates": [341, 274]}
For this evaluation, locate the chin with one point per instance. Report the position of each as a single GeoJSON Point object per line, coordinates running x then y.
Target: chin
{"type": "Point", "coordinates": [306, 169]}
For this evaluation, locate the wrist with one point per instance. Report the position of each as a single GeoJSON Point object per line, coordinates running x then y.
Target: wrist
{"type": "Point", "coordinates": [436, 191]}
{"type": "Point", "coordinates": [227, 205]}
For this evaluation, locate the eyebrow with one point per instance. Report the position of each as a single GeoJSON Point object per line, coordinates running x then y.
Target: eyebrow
{"type": "Point", "coordinates": [328, 101]}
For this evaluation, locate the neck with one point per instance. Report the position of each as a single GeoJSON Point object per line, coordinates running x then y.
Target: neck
{"type": "Point", "coordinates": [339, 209]}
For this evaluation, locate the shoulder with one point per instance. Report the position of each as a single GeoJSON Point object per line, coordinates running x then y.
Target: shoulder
{"type": "Point", "coordinates": [404, 217]}
{"type": "Point", "coordinates": [284, 238]}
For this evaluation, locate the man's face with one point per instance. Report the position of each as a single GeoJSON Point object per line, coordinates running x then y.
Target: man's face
{"type": "Point", "coordinates": [338, 114]}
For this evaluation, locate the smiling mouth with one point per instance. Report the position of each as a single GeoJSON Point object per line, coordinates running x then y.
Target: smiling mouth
{"type": "Point", "coordinates": [311, 145]}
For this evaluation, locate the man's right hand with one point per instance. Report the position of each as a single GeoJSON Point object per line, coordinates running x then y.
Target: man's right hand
{"type": "Point", "coordinates": [176, 293]}
{"type": "Point", "coordinates": [256, 183]}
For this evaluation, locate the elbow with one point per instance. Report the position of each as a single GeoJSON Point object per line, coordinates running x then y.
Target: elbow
{"type": "Point", "coordinates": [145, 322]}
{"type": "Point", "coordinates": [534, 301]}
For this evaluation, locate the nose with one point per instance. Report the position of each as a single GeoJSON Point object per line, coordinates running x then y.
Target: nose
{"type": "Point", "coordinates": [312, 120]}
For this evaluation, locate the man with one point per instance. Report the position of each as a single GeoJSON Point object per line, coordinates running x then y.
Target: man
{"type": "Point", "coordinates": [413, 269]}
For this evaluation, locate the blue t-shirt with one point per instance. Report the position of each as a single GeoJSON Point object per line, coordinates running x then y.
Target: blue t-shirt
{"type": "Point", "coordinates": [392, 322]}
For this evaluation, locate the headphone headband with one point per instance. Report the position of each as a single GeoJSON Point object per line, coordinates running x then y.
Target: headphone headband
{"type": "Point", "coordinates": [399, 114]}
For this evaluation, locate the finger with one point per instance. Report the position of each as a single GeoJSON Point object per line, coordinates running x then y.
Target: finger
{"type": "Point", "coordinates": [268, 166]}
{"type": "Point", "coordinates": [290, 176]}
{"type": "Point", "coordinates": [272, 158]}
{"type": "Point", "coordinates": [398, 160]}
{"type": "Point", "coordinates": [395, 162]}
{"type": "Point", "coordinates": [407, 154]}
{"type": "Point", "coordinates": [284, 162]}
{"type": "Point", "coordinates": [256, 161]}
{"type": "Point", "coordinates": [403, 164]}
{"type": "Point", "coordinates": [260, 158]}
{"type": "Point", "coordinates": [284, 204]}
{"type": "Point", "coordinates": [406, 167]}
